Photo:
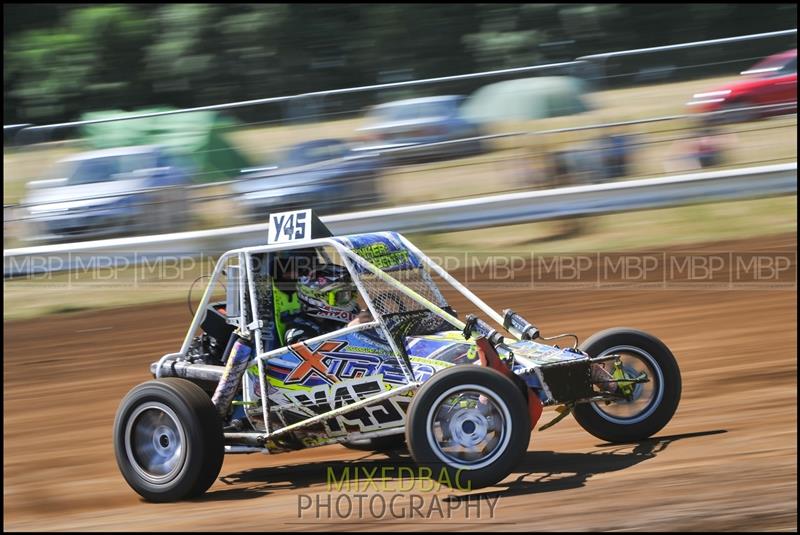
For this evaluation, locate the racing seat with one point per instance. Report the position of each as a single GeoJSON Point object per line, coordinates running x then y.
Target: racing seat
{"type": "Point", "coordinates": [276, 277]}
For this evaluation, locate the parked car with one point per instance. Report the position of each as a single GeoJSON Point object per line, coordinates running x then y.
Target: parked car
{"type": "Point", "coordinates": [327, 174]}
{"type": "Point", "coordinates": [109, 192]}
{"type": "Point", "coordinates": [771, 81]}
{"type": "Point", "coordinates": [415, 123]}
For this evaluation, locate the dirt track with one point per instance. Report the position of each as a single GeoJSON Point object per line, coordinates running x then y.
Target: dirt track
{"type": "Point", "coordinates": [727, 461]}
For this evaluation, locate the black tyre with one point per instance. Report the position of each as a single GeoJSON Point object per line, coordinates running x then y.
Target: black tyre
{"type": "Point", "coordinates": [651, 404]}
{"type": "Point", "coordinates": [471, 422]}
{"type": "Point", "coordinates": [168, 440]}
{"type": "Point", "coordinates": [380, 444]}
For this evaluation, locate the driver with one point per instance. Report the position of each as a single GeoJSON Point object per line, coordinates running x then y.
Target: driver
{"type": "Point", "coordinates": [328, 301]}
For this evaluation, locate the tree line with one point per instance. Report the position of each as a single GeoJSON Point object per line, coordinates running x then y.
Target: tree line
{"type": "Point", "coordinates": [61, 60]}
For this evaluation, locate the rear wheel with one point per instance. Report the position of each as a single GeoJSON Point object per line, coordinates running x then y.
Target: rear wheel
{"type": "Point", "coordinates": [469, 425]}
{"type": "Point", "coordinates": [168, 440]}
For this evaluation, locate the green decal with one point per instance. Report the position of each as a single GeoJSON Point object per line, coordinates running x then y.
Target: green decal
{"type": "Point", "coordinates": [379, 255]}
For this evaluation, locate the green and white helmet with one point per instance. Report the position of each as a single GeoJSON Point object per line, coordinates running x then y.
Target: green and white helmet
{"type": "Point", "coordinates": [328, 293]}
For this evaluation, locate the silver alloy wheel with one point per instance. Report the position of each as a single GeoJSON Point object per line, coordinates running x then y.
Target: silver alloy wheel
{"type": "Point", "coordinates": [468, 427]}
{"type": "Point", "coordinates": [646, 396]}
{"type": "Point", "coordinates": [155, 443]}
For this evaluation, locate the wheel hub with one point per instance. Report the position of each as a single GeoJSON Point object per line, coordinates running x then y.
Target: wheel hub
{"type": "Point", "coordinates": [468, 427]}
{"type": "Point", "coordinates": [164, 440]}
{"type": "Point", "coordinates": [644, 397]}
{"type": "Point", "coordinates": [631, 373]}
{"type": "Point", "coordinates": [154, 442]}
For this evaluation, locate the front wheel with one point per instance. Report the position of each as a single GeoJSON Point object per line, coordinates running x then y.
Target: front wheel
{"type": "Point", "coordinates": [469, 426]}
{"type": "Point", "coordinates": [168, 440]}
{"type": "Point", "coordinates": [648, 406]}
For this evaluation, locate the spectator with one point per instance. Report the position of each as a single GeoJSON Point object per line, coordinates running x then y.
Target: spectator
{"type": "Point", "coordinates": [617, 155]}
{"type": "Point", "coordinates": [706, 149]}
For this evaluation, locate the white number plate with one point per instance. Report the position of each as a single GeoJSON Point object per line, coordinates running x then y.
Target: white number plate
{"type": "Point", "coordinates": [287, 227]}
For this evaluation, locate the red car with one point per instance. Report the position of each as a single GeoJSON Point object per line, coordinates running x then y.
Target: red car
{"type": "Point", "coordinates": [772, 81]}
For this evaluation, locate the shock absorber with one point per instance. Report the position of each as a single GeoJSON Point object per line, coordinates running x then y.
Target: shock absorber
{"type": "Point", "coordinates": [234, 369]}
{"type": "Point", "coordinates": [519, 326]}
{"type": "Point", "coordinates": [474, 324]}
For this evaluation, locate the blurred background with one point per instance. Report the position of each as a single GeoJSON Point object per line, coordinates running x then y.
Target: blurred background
{"type": "Point", "coordinates": [351, 107]}
{"type": "Point", "coordinates": [345, 107]}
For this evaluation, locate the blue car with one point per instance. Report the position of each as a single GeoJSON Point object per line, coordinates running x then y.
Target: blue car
{"type": "Point", "coordinates": [326, 174]}
{"type": "Point", "coordinates": [103, 193]}
{"type": "Point", "coordinates": [421, 129]}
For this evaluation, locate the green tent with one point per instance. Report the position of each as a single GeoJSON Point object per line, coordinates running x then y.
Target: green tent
{"type": "Point", "coordinates": [196, 137]}
{"type": "Point", "coordinates": [526, 98]}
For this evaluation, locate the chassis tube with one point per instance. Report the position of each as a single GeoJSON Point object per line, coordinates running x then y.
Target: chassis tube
{"type": "Point", "coordinates": [187, 370]}
{"type": "Point", "coordinates": [231, 449]}
{"type": "Point", "coordinates": [258, 439]}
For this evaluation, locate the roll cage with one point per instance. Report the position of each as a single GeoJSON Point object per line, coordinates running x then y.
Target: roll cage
{"type": "Point", "coordinates": [368, 277]}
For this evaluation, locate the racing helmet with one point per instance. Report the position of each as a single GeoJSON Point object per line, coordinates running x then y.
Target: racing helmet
{"type": "Point", "coordinates": [328, 293]}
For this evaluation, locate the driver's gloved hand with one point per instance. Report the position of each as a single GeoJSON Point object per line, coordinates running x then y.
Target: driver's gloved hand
{"type": "Point", "coordinates": [295, 335]}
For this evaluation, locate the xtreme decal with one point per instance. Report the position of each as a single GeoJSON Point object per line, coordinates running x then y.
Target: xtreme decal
{"type": "Point", "coordinates": [351, 357]}
{"type": "Point", "coordinates": [312, 361]}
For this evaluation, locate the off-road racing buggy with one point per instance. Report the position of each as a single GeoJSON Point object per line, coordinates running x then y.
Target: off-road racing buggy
{"type": "Point", "coordinates": [463, 396]}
